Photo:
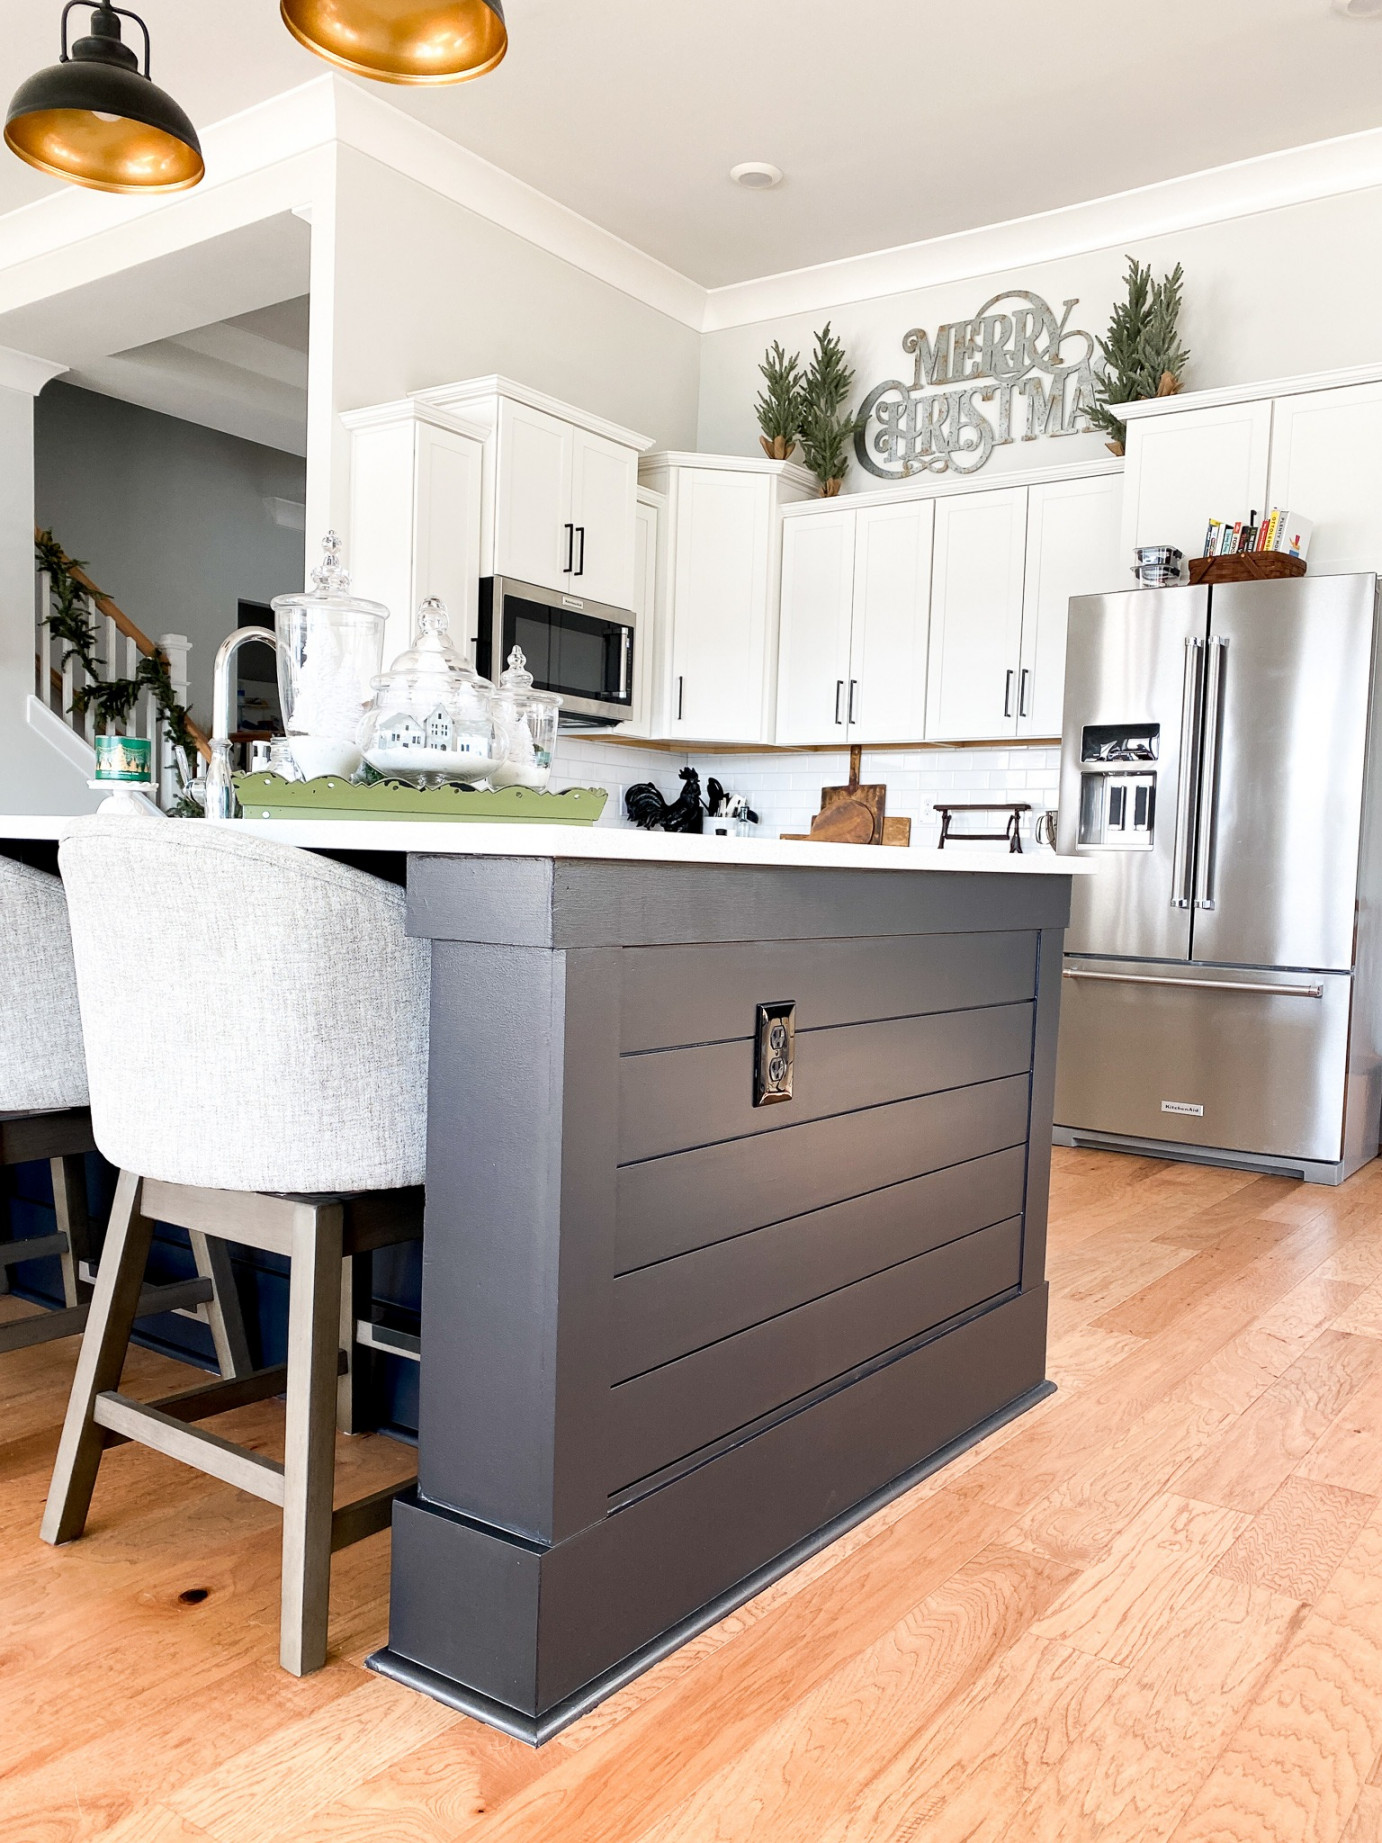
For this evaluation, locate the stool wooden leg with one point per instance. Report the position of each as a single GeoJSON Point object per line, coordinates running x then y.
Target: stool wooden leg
{"type": "Point", "coordinates": [309, 1463]}
{"type": "Point", "coordinates": [223, 1314]}
{"type": "Point", "coordinates": [69, 1207]}
{"type": "Point", "coordinates": [104, 1342]}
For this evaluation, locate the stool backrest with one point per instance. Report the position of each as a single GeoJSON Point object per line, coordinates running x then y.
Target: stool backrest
{"type": "Point", "coordinates": [255, 1016]}
{"type": "Point", "coordinates": [41, 1061]}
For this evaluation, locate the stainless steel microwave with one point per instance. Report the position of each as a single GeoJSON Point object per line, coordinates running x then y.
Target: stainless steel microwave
{"type": "Point", "coordinates": [573, 646]}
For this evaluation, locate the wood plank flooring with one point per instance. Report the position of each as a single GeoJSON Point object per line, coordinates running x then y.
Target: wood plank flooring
{"type": "Point", "coordinates": [1150, 1611]}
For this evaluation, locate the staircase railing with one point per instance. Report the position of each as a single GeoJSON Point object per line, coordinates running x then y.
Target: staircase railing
{"type": "Point", "coordinates": [88, 650]}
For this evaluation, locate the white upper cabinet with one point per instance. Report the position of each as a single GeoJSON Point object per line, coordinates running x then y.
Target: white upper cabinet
{"type": "Point", "coordinates": [886, 699]}
{"type": "Point", "coordinates": [813, 669]}
{"type": "Point", "coordinates": [560, 489]}
{"type": "Point", "coordinates": [1327, 467]}
{"type": "Point", "coordinates": [1073, 548]}
{"type": "Point", "coordinates": [976, 615]}
{"type": "Point", "coordinates": [604, 491]}
{"type": "Point", "coordinates": [415, 515]}
{"type": "Point", "coordinates": [534, 535]}
{"type": "Point", "coordinates": [719, 676]}
{"type": "Point", "coordinates": [647, 605]}
{"type": "Point", "coordinates": [1188, 466]}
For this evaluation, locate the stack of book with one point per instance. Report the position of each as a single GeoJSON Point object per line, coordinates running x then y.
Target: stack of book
{"type": "Point", "coordinates": [1283, 531]}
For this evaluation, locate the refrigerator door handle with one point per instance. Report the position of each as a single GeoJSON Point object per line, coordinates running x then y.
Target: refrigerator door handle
{"type": "Point", "coordinates": [1185, 795]}
{"type": "Point", "coordinates": [1207, 985]}
{"type": "Point", "coordinates": [1207, 830]}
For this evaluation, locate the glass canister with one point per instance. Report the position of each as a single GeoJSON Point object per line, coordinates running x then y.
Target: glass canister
{"type": "Point", "coordinates": [330, 650]}
{"type": "Point", "coordinates": [530, 718]}
{"type": "Point", "coordinates": [433, 718]}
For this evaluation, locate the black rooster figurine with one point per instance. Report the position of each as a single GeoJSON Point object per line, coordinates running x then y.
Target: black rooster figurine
{"type": "Point", "coordinates": [647, 808]}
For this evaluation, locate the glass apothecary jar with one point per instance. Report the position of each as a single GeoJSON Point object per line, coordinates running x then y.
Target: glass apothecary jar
{"type": "Point", "coordinates": [530, 717]}
{"type": "Point", "coordinates": [330, 650]}
{"type": "Point", "coordinates": [433, 718]}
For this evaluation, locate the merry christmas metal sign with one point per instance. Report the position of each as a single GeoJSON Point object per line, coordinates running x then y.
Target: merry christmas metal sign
{"type": "Point", "coordinates": [1011, 373]}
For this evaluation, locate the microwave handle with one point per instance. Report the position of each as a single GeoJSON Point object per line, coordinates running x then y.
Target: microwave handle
{"type": "Point", "coordinates": [625, 649]}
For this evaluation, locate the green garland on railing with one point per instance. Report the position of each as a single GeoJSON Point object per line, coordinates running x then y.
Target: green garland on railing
{"type": "Point", "coordinates": [69, 618]}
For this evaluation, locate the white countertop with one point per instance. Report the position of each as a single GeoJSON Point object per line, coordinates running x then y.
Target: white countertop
{"type": "Point", "coordinates": [612, 843]}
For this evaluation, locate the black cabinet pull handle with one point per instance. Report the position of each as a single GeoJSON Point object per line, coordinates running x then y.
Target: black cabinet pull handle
{"type": "Point", "coordinates": [839, 693]}
{"type": "Point", "coordinates": [853, 695]}
{"type": "Point", "coordinates": [580, 568]}
{"type": "Point", "coordinates": [569, 564]}
{"type": "Point", "coordinates": [681, 686]}
{"type": "Point", "coordinates": [1008, 695]}
{"type": "Point", "coordinates": [1023, 689]}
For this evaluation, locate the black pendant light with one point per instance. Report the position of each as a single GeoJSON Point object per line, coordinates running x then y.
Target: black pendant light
{"type": "Point", "coordinates": [97, 119]}
{"type": "Point", "coordinates": [402, 41]}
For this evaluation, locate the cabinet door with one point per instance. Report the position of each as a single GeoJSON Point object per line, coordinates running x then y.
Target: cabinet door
{"type": "Point", "coordinates": [1073, 548]}
{"type": "Point", "coordinates": [1188, 466]}
{"type": "Point", "coordinates": [446, 535]}
{"type": "Point", "coordinates": [533, 528]}
{"type": "Point", "coordinates": [647, 613]}
{"type": "Point", "coordinates": [604, 491]}
{"type": "Point", "coordinates": [892, 596]}
{"type": "Point", "coordinates": [720, 606]}
{"type": "Point", "coordinates": [976, 616]}
{"type": "Point", "coordinates": [1327, 467]}
{"type": "Point", "coordinates": [813, 637]}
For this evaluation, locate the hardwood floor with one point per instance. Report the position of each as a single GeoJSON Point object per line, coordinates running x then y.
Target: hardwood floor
{"type": "Point", "coordinates": [1150, 1609]}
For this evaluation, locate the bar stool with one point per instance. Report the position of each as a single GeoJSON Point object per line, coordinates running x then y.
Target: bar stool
{"type": "Point", "coordinates": [313, 1149]}
{"type": "Point", "coordinates": [44, 1115]}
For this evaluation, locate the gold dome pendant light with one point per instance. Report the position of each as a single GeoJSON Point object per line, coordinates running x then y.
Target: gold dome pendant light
{"type": "Point", "coordinates": [402, 41]}
{"type": "Point", "coordinates": [97, 119]}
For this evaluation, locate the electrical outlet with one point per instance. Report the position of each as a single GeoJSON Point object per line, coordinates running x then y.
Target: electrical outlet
{"type": "Point", "coordinates": [775, 1053]}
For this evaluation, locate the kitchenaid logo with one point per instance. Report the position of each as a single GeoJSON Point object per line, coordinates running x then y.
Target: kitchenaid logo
{"type": "Point", "coordinates": [1182, 1107]}
{"type": "Point", "coordinates": [1012, 373]}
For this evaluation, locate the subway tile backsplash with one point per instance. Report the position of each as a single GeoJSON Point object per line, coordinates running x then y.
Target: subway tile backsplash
{"type": "Point", "coordinates": [783, 787]}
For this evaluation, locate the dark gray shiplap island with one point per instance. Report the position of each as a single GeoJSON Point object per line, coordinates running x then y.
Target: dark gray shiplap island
{"type": "Point", "coordinates": [674, 1341]}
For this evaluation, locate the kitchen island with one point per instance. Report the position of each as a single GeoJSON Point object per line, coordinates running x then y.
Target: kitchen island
{"type": "Point", "coordinates": [737, 1173]}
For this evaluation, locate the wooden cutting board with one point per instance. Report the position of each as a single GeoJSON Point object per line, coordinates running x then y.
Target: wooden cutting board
{"type": "Point", "coordinates": [853, 814]}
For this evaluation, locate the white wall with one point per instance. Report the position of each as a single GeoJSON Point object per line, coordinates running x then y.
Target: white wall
{"type": "Point", "coordinates": [1266, 296]}
{"type": "Point", "coordinates": [427, 292]}
{"type": "Point", "coordinates": [168, 516]}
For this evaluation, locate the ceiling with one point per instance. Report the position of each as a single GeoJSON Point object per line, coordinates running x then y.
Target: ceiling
{"type": "Point", "coordinates": [894, 120]}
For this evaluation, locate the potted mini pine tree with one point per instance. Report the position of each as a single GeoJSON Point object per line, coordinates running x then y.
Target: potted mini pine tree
{"type": "Point", "coordinates": [779, 404]}
{"type": "Point", "coordinates": [1143, 354]}
{"type": "Point", "coordinates": [827, 428]}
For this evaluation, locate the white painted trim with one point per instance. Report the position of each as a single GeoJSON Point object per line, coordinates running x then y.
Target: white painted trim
{"type": "Point", "coordinates": [923, 488]}
{"type": "Point", "coordinates": [789, 471]}
{"type": "Point", "coordinates": [412, 409]}
{"type": "Point", "coordinates": [481, 393]}
{"type": "Point", "coordinates": [1248, 393]}
{"type": "Point", "coordinates": [59, 735]}
{"type": "Point", "coordinates": [21, 371]}
{"type": "Point", "coordinates": [375, 127]}
{"type": "Point", "coordinates": [1322, 169]}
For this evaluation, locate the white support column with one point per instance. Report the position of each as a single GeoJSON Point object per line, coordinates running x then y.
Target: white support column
{"type": "Point", "coordinates": [175, 647]}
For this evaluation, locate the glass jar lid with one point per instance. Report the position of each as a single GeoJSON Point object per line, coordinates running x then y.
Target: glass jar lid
{"type": "Point", "coordinates": [433, 657]}
{"type": "Point", "coordinates": [330, 588]}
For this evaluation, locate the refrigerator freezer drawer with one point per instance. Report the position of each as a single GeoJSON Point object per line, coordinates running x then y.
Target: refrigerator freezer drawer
{"type": "Point", "coordinates": [1251, 1061]}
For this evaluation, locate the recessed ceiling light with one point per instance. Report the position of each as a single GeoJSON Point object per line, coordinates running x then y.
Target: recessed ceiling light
{"type": "Point", "coordinates": [1359, 9]}
{"type": "Point", "coordinates": [761, 176]}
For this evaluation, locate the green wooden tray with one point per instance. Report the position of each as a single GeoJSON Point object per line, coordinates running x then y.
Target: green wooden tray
{"type": "Point", "coordinates": [267, 796]}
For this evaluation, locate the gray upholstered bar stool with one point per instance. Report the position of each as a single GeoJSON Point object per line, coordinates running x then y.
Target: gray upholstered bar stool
{"type": "Point", "coordinates": [275, 1096]}
{"type": "Point", "coordinates": [44, 1115]}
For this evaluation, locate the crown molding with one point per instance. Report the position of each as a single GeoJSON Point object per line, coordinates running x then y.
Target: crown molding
{"type": "Point", "coordinates": [411, 410]}
{"type": "Point", "coordinates": [21, 371]}
{"type": "Point", "coordinates": [1227, 395]}
{"type": "Point", "coordinates": [920, 486]}
{"type": "Point", "coordinates": [1321, 169]}
{"type": "Point", "coordinates": [482, 395]}
{"type": "Point", "coordinates": [376, 127]}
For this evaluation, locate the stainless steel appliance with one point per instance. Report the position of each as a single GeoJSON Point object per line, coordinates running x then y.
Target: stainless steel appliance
{"type": "Point", "coordinates": [579, 648]}
{"type": "Point", "coordinates": [1221, 974]}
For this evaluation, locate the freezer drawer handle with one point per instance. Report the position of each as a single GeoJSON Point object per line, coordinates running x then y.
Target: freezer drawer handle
{"type": "Point", "coordinates": [1207, 985]}
{"type": "Point", "coordinates": [1185, 791]}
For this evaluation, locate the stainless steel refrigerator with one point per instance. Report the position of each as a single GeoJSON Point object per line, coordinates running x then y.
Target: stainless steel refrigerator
{"type": "Point", "coordinates": [1221, 976]}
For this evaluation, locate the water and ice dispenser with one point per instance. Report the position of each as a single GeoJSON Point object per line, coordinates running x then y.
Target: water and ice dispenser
{"type": "Point", "coordinates": [1118, 776]}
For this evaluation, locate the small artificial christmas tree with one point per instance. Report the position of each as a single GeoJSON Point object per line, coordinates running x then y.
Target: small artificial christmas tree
{"type": "Point", "coordinates": [779, 404]}
{"type": "Point", "coordinates": [826, 428]}
{"type": "Point", "coordinates": [1143, 354]}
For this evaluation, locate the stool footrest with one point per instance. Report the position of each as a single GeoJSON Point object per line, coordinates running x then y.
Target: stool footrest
{"type": "Point", "coordinates": [205, 1452]}
{"type": "Point", "coordinates": [366, 1516]}
{"type": "Point", "coordinates": [37, 1248]}
{"type": "Point", "coordinates": [206, 1399]}
{"type": "Point", "coordinates": [68, 1321]}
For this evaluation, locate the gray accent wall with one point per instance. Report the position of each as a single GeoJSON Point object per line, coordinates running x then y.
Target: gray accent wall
{"type": "Point", "coordinates": [170, 517]}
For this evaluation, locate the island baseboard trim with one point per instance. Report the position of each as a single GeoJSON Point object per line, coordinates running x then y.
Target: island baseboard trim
{"type": "Point", "coordinates": [535, 1730]}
